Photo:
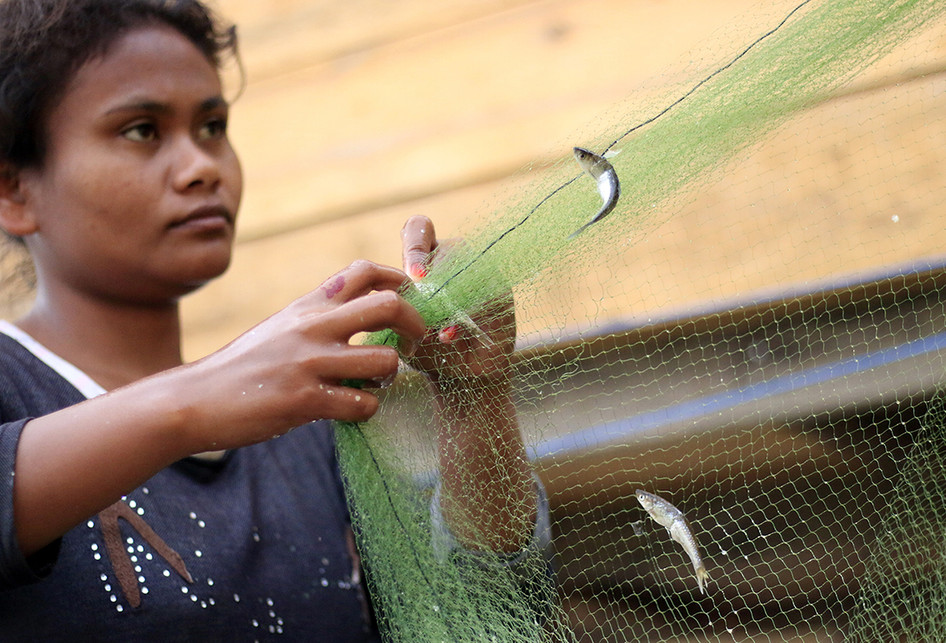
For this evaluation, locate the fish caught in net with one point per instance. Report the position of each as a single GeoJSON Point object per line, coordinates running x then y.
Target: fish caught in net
{"type": "Point", "coordinates": [796, 432]}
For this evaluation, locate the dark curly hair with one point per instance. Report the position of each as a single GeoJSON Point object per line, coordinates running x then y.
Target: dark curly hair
{"type": "Point", "coordinates": [44, 42]}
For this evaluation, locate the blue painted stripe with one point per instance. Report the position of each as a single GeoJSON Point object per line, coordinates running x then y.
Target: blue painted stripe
{"type": "Point", "coordinates": [622, 429]}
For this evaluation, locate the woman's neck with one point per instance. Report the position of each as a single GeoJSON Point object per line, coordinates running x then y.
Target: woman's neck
{"type": "Point", "coordinates": [115, 343]}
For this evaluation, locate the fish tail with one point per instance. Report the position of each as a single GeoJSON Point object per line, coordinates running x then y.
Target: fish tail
{"type": "Point", "coordinates": [702, 577]}
{"type": "Point", "coordinates": [579, 231]}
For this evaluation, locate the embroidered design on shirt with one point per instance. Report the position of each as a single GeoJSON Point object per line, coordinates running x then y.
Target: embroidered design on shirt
{"type": "Point", "coordinates": [121, 564]}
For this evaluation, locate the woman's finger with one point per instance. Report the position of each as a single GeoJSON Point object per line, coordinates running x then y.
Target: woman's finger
{"type": "Point", "coordinates": [346, 404]}
{"type": "Point", "coordinates": [356, 363]}
{"type": "Point", "coordinates": [418, 241]}
{"type": "Point", "coordinates": [372, 312]}
{"type": "Point", "coordinates": [359, 279]}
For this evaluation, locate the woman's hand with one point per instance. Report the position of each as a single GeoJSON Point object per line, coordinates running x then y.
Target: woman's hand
{"type": "Point", "coordinates": [282, 373]}
{"type": "Point", "coordinates": [456, 352]}
{"type": "Point", "coordinates": [289, 369]}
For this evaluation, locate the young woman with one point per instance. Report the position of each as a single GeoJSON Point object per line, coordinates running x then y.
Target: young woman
{"type": "Point", "coordinates": [147, 498]}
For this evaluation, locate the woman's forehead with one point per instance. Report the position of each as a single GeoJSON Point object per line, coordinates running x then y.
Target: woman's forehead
{"type": "Point", "coordinates": [145, 63]}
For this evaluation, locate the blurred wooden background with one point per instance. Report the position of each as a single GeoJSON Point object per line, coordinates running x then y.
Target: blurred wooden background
{"type": "Point", "coordinates": [358, 114]}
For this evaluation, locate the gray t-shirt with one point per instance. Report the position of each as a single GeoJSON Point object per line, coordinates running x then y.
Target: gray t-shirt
{"type": "Point", "coordinates": [263, 535]}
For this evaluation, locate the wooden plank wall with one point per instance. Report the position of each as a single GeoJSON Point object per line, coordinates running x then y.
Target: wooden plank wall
{"type": "Point", "coordinates": [359, 113]}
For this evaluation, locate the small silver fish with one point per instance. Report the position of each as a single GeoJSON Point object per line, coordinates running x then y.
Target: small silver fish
{"type": "Point", "coordinates": [676, 523]}
{"type": "Point", "coordinates": [608, 185]}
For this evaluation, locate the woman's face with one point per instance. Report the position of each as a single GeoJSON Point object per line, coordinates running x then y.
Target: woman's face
{"type": "Point", "coordinates": [137, 196]}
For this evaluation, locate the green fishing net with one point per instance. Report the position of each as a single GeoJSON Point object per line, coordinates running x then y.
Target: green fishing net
{"type": "Point", "coordinates": [799, 430]}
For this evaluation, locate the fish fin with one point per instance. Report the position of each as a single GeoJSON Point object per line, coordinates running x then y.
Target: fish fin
{"type": "Point", "coordinates": [610, 154]}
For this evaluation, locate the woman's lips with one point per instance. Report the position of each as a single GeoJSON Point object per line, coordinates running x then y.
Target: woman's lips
{"type": "Point", "coordinates": [209, 218]}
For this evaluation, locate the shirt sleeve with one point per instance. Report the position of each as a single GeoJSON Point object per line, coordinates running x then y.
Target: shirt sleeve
{"type": "Point", "coordinates": [15, 568]}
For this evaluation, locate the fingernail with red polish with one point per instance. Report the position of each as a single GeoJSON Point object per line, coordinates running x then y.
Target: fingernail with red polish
{"type": "Point", "coordinates": [417, 271]}
{"type": "Point", "coordinates": [448, 334]}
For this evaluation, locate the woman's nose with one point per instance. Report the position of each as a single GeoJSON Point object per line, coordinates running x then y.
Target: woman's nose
{"type": "Point", "coordinates": [196, 166]}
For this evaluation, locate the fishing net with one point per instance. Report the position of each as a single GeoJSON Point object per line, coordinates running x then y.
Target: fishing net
{"type": "Point", "coordinates": [798, 429]}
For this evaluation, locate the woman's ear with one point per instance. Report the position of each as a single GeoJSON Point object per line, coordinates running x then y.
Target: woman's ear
{"type": "Point", "coordinates": [15, 218]}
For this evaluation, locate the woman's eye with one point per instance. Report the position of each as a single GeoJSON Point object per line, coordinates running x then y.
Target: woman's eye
{"type": "Point", "coordinates": [141, 133]}
{"type": "Point", "coordinates": [214, 128]}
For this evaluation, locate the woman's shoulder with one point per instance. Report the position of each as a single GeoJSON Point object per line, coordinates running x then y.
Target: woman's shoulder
{"type": "Point", "coordinates": [28, 386]}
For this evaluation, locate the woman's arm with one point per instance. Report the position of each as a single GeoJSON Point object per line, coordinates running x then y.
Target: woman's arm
{"type": "Point", "coordinates": [488, 495]}
{"type": "Point", "coordinates": [284, 372]}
